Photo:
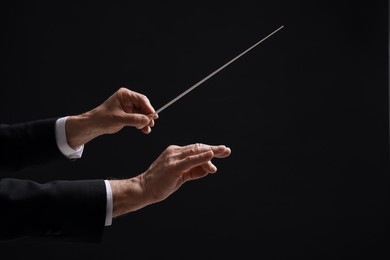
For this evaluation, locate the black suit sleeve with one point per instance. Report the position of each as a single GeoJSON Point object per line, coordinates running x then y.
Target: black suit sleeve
{"type": "Point", "coordinates": [64, 210]}
{"type": "Point", "coordinates": [28, 144]}
{"type": "Point", "coordinates": [71, 211]}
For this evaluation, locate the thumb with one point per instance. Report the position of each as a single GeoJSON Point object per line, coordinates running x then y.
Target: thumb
{"type": "Point", "coordinates": [136, 120]}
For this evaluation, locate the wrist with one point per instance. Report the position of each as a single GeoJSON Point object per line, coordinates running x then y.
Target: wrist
{"type": "Point", "coordinates": [80, 129]}
{"type": "Point", "coordinates": [127, 196]}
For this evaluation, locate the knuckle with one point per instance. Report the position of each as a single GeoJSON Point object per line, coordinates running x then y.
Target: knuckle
{"type": "Point", "coordinates": [122, 89]}
{"type": "Point", "coordinates": [171, 148]}
{"type": "Point", "coordinates": [188, 159]}
{"type": "Point", "coordinates": [199, 145]}
{"type": "Point", "coordinates": [143, 98]}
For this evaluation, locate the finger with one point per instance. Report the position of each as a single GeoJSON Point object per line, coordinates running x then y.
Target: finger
{"type": "Point", "coordinates": [134, 102]}
{"type": "Point", "coordinates": [142, 102]}
{"type": "Point", "coordinates": [137, 120]}
{"type": "Point", "coordinates": [151, 123]}
{"type": "Point", "coordinates": [221, 151]}
{"type": "Point", "coordinates": [192, 149]}
{"type": "Point", "coordinates": [194, 160]}
{"type": "Point", "coordinates": [209, 167]}
{"type": "Point", "coordinates": [200, 171]}
{"type": "Point", "coordinates": [146, 130]}
{"type": "Point", "coordinates": [153, 116]}
{"type": "Point", "coordinates": [195, 173]}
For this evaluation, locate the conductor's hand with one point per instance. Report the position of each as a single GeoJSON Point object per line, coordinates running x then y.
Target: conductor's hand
{"type": "Point", "coordinates": [123, 108]}
{"type": "Point", "coordinates": [175, 166]}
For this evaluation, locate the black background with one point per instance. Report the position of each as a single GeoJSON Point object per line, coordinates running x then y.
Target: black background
{"type": "Point", "coordinates": [305, 114]}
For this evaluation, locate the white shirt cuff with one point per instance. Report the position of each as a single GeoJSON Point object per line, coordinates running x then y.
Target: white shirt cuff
{"type": "Point", "coordinates": [62, 142]}
{"type": "Point", "coordinates": [109, 204]}
{"type": "Point", "coordinates": [71, 153]}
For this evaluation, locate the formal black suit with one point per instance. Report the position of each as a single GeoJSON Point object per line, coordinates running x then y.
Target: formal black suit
{"type": "Point", "coordinates": [66, 210]}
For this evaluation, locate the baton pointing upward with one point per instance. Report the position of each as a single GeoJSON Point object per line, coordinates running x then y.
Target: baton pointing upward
{"type": "Point", "coordinates": [212, 74]}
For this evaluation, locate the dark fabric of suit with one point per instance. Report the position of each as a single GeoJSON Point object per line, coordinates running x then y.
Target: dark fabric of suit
{"type": "Point", "coordinates": [62, 210]}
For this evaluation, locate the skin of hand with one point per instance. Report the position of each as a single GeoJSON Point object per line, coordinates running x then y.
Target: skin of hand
{"type": "Point", "coordinates": [123, 108]}
{"type": "Point", "coordinates": [175, 166]}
